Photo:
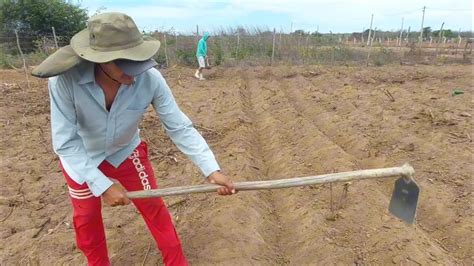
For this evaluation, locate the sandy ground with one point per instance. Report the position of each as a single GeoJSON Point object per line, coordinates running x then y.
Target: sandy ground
{"type": "Point", "coordinates": [267, 123]}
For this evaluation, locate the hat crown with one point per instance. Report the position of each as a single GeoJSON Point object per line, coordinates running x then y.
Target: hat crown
{"type": "Point", "coordinates": [113, 31]}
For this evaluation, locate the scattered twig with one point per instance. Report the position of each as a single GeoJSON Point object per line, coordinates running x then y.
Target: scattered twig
{"type": "Point", "coordinates": [387, 92]}
{"type": "Point", "coordinates": [9, 200]}
{"type": "Point", "coordinates": [41, 227]}
{"type": "Point", "coordinates": [459, 138]}
{"type": "Point", "coordinates": [12, 66]}
{"type": "Point", "coordinates": [458, 141]}
{"type": "Point", "coordinates": [343, 199]}
{"type": "Point", "coordinates": [63, 221]}
{"type": "Point", "coordinates": [331, 202]}
{"type": "Point", "coordinates": [43, 141]}
{"type": "Point", "coordinates": [20, 191]}
{"type": "Point", "coordinates": [146, 254]}
{"type": "Point", "coordinates": [53, 158]}
{"type": "Point", "coordinates": [208, 129]}
{"type": "Point", "coordinates": [154, 157]}
{"type": "Point", "coordinates": [409, 258]}
{"type": "Point", "coordinates": [177, 202]}
{"type": "Point", "coordinates": [456, 135]}
{"type": "Point", "coordinates": [441, 245]}
{"type": "Point", "coordinates": [161, 155]}
{"type": "Point", "coordinates": [431, 115]}
{"type": "Point", "coordinates": [8, 215]}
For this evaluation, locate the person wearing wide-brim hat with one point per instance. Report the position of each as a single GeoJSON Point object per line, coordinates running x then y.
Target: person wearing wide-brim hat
{"type": "Point", "coordinates": [100, 86]}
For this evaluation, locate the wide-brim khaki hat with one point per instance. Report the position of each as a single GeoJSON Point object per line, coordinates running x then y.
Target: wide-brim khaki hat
{"type": "Point", "coordinates": [65, 58]}
{"type": "Point", "coordinates": [110, 36]}
{"type": "Point", "coordinates": [59, 62]}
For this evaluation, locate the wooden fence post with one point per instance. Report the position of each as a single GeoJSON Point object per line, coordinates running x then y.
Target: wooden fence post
{"type": "Point", "coordinates": [166, 50]}
{"type": "Point", "coordinates": [421, 31]}
{"type": "Point", "coordinates": [408, 35]}
{"type": "Point", "coordinates": [23, 58]}
{"type": "Point", "coordinates": [273, 46]}
{"type": "Point", "coordinates": [196, 38]}
{"type": "Point", "coordinates": [401, 33]}
{"type": "Point", "coordinates": [370, 30]}
{"type": "Point", "coordinates": [370, 46]}
{"type": "Point", "coordinates": [176, 40]}
{"type": "Point", "coordinates": [55, 39]}
{"type": "Point", "coordinates": [459, 42]}
{"type": "Point", "coordinates": [439, 39]}
{"type": "Point", "coordinates": [238, 42]}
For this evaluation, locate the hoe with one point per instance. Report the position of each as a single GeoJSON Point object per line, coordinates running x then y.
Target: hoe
{"type": "Point", "coordinates": [403, 203]}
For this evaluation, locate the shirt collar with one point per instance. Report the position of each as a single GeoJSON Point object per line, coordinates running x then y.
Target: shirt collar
{"type": "Point", "coordinates": [87, 75]}
{"type": "Point", "coordinates": [86, 72]}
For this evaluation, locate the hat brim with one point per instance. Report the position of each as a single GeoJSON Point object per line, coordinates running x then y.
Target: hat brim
{"type": "Point", "coordinates": [59, 62]}
{"type": "Point", "coordinates": [135, 68]}
{"type": "Point", "coordinates": [80, 45]}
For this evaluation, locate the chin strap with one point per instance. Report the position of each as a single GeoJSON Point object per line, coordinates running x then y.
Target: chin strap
{"type": "Point", "coordinates": [108, 74]}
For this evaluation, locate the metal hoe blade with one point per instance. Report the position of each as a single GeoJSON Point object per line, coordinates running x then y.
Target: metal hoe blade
{"type": "Point", "coordinates": [405, 199]}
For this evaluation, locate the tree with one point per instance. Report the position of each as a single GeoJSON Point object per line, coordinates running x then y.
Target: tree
{"type": "Point", "coordinates": [446, 33]}
{"type": "Point", "coordinates": [37, 17]}
{"type": "Point", "coordinates": [426, 32]}
{"type": "Point", "coordinates": [299, 32]}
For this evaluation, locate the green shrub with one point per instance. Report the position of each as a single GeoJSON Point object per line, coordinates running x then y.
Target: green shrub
{"type": "Point", "coordinates": [186, 57]}
{"type": "Point", "coordinates": [160, 58]}
{"type": "Point", "coordinates": [383, 56]}
{"type": "Point", "coordinates": [218, 54]}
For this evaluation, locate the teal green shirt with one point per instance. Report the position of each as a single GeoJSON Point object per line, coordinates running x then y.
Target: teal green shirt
{"type": "Point", "coordinates": [202, 46]}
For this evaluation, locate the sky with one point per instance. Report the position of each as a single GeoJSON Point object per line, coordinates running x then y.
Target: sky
{"type": "Point", "coordinates": [338, 16]}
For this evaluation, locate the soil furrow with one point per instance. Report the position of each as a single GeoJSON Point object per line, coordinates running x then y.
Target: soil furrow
{"type": "Point", "coordinates": [330, 121]}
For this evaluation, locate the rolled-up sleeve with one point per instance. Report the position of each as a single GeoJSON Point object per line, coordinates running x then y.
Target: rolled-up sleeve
{"type": "Point", "coordinates": [67, 144]}
{"type": "Point", "coordinates": [180, 129]}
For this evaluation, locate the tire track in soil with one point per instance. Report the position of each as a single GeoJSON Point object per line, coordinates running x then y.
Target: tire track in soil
{"type": "Point", "coordinates": [354, 128]}
{"type": "Point", "coordinates": [348, 160]}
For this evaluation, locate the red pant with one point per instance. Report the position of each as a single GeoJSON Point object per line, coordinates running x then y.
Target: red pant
{"type": "Point", "coordinates": [135, 173]}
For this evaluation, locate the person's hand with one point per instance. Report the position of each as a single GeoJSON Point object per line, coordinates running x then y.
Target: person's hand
{"type": "Point", "coordinates": [115, 195]}
{"type": "Point", "coordinates": [219, 178]}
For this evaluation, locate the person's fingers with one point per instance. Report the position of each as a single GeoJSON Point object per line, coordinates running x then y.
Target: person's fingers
{"type": "Point", "coordinates": [230, 186]}
{"type": "Point", "coordinates": [126, 201]}
{"type": "Point", "coordinates": [221, 191]}
{"type": "Point", "coordinates": [226, 191]}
